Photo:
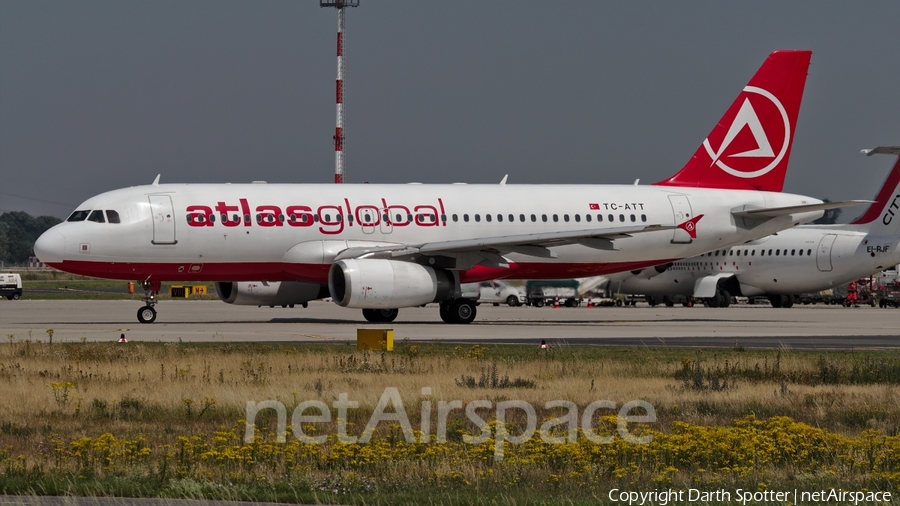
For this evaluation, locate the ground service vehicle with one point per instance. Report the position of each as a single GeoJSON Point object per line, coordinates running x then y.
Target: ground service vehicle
{"type": "Point", "coordinates": [10, 286]}
{"type": "Point", "coordinates": [889, 295]}
{"type": "Point", "coordinates": [495, 292]}
{"type": "Point", "coordinates": [547, 292]}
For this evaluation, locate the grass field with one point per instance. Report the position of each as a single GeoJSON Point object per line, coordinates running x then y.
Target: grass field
{"type": "Point", "coordinates": [169, 420]}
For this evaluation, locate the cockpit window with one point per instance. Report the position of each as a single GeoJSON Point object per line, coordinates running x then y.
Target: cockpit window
{"type": "Point", "coordinates": [79, 216]}
{"type": "Point", "coordinates": [97, 216]}
{"type": "Point", "coordinates": [112, 216]}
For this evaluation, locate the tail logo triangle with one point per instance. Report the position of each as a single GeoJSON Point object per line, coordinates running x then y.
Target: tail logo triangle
{"type": "Point", "coordinates": [748, 117]}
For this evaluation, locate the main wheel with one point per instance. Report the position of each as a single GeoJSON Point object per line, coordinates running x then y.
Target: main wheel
{"type": "Point", "coordinates": [726, 298]}
{"type": "Point", "coordinates": [445, 313]}
{"type": "Point", "coordinates": [512, 301]}
{"type": "Point", "coordinates": [462, 311]}
{"type": "Point", "coordinates": [146, 314]}
{"type": "Point", "coordinates": [380, 315]}
{"type": "Point", "coordinates": [776, 300]}
{"type": "Point", "coordinates": [787, 301]}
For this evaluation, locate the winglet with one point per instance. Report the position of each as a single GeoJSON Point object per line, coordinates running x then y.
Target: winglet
{"type": "Point", "coordinates": [503, 181]}
{"type": "Point", "coordinates": [690, 226]}
{"type": "Point", "coordinates": [156, 181]}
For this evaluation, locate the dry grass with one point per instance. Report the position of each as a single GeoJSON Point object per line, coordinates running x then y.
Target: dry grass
{"type": "Point", "coordinates": [61, 392]}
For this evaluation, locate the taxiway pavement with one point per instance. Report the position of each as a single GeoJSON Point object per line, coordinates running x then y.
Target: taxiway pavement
{"type": "Point", "coordinates": [750, 327]}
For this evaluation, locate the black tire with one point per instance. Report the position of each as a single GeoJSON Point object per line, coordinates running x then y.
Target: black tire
{"type": "Point", "coordinates": [776, 300]}
{"type": "Point", "coordinates": [512, 301]}
{"type": "Point", "coordinates": [462, 311]}
{"type": "Point", "coordinates": [14, 296]}
{"type": "Point", "coordinates": [787, 301]}
{"type": "Point", "coordinates": [652, 301]}
{"type": "Point", "coordinates": [388, 315]}
{"type": "Point", "coordinates": [371, 315]}
{"type": "Point", "coordinates": [380, 315]}
{"type": "Point", "coordinates": [444, 310]}
{"type": "Point", "coordinates": [668, 301]}
{"type": "Point", "coordinates": [146, 314]}
{"type": "Point", "coordinates": [538, 303]}
{"type": "Point", "coordinates": [726, 298]}
{"type": "Point", "coordinates": [618, 302]}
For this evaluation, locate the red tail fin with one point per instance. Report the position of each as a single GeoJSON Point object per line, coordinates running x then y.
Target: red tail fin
{"type": "Point", "coordinates": [750, 146]}
{"type": "Point", "coordinates": [886, 208]}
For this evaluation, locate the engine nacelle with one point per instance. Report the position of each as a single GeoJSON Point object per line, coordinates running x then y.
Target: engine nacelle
{"type": "Point", "coordinates": [387, 284]}
{"type": "Point", "coordinates": [275, 293]}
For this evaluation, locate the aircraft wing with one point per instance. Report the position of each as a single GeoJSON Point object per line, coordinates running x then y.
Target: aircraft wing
{"type": "Point", "coordinates": [526, 244]}
{"type": "Point", "coordinates": [774, 212]}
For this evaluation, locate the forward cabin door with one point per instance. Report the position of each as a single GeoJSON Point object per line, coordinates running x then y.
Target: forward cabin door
{"type": "Point", "coordinates": [823, 252]}
{"type": "Point", "coordinates": [681, 209]}
{"type": "Point", "coordinates": [163, 219]}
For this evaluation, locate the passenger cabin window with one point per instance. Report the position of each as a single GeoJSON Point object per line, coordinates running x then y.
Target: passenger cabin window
{"type": "Point", "coordinates": [97, 217]}
{"type": "Point", "coordinates": [79, 216]}
{"type": "Point", "coordinates": [112, 216]}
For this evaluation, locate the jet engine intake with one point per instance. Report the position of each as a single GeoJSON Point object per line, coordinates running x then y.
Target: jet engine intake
{"type": "Point", "coordinates": [274, 293]}
{"type": "Point", "coordinates": [387, 284]}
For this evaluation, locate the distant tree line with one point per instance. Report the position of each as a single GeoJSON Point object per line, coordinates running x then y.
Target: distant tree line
{"type": "Point", "coordinates": [18, 232]}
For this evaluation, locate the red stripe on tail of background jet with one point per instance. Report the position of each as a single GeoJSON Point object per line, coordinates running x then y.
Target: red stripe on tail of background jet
{"type": "Point", "coordinates": [885, 196]}
{"type": "Point", "coordinates": [750, 146]}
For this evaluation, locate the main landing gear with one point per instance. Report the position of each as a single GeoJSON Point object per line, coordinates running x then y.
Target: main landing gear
{"type": "Point", "coordinates": [380, 315]}
{"type": "Point", "coordinates": [458, 311]}
{"type": "Point", "coordinates": [147, 314]}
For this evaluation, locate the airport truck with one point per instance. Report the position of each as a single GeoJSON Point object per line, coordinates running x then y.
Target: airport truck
{"type": "Point", "coordinates": [547, 291]}
{"type": "Point", "coordinates": [10, 286]}
{"type": "Point", "coordinates": [889, 295]}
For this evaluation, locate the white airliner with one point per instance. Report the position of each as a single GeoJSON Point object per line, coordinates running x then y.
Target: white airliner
{"type": "Point", "coordinates": [804, 259]}
{"type": "Point", "coordinates": [382, 247]}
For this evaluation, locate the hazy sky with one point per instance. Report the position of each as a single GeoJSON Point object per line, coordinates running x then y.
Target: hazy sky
{"type": "Point", "coordinates": [98, 95]}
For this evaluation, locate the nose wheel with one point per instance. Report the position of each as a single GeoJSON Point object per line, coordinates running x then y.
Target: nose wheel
{"type": "Point", "coordinates": [147, 314]}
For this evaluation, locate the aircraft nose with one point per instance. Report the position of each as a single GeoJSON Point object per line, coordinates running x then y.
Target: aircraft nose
{"type": "Point", "coordinates": [50, 246]}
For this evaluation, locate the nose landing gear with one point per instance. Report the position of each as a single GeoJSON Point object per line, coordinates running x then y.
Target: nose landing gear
{"type": "Point", "coordinates": [147, 314]}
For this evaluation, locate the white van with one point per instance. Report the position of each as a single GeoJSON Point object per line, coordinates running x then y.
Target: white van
{"type": "Point", "coordinates": [494, 292]}
{"type": "Point", "coordinates": [10, 286]}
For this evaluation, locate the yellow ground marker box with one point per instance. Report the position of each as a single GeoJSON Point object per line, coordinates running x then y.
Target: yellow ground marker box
{"type": "Point", "coordinates": [375, 339]}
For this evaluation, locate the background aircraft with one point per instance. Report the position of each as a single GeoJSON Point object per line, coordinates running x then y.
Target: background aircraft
{"type": "Point", "coordinates": [804, 259]}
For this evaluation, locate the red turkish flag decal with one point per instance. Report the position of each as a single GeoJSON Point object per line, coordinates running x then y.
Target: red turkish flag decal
{"type": "Point", "coordinates": [595, 206]}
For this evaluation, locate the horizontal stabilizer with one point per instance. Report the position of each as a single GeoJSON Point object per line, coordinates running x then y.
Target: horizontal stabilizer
{"type": "Point", "coordinates": [774, 212]}
{"type": "Point", "coordinates": [882, 150]}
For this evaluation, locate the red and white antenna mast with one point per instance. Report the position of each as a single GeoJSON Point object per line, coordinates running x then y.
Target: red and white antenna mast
{"type": "Point", "coordinates": [339, 86]}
